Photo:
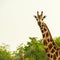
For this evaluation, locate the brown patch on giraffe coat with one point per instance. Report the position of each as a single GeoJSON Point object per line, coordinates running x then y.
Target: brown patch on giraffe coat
{"type": "Point", "coordinates": [53, 43]}
{"type": "Point", "coordinates": [54, 47]}
{"type": "Point", "coordinates": [57, 49]}
{"type": "Point", "coordinates": [51, 56]}
{"type": "Point", "coordinates": [41, 28]}
{"type": "Point", "coordinates": [42, 31]}
{"type": "Point", "coordinates": [43, 35]}
{"type": "Point", "coordinates": [51, 39]}
{"type": "Point", "coordinates": [54, 57]}
{"type": "Point", "coordinates": [48, 55]}
{"type": "Point", "coordinates": [45, 42]}
{"type": "Point", "coordinates": [56, 53]}
{"type": "Point", "coordinates": [59, 52]}
{"type": "Point", "coordinates": [47, 34]}
{"type": "Point", "coordinates": [59, 58]}
{"type": "Point", "coordinates": [42, 25]}
{"type": "Point", "coordinates": [47, 50]}
{"type": "Point", "coordinates": [50, 46]}
{"type": "Point", "coordinates": [45, 29]}
{"type": "Point", "coordinates": [52, 50]}
{"type": "Point", "coordinates": [48, 40]}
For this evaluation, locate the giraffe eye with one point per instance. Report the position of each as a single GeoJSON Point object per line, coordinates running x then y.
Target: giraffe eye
{"type": "Point", "coordinates": [37, 19]}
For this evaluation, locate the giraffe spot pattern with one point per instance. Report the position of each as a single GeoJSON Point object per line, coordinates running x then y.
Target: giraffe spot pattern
{"type": "Point", "coordinates": [47, 34]}
{"type": "Point", "coordinates": [59, 52]}
{"type": "Point", "coordinates": [48, 40]}
{"type": "Point", "coordinates": [51, 56]}
{"type": "Point", "coordinates": [56, 53]}
{"type": "Point", "coordinates": [57, 49]}
{"type": "Point", "coordinates": [42, 25]}
{"type": "Point", "coordinates": [51, 39]}
{"type": "Point", "coordinates": [52, 51]}
{"type": "Point", "coordinates": [53, 43]}
{"type": "Point", "coordinates": [43, 35]}
{"type": "Point", "coordinates": [46, 49]}
{"type": "Point", "coordinates": [59, 58]}
{"type": "Point", "coordinates": [54, 47]}
{"type": "Point", "coordinates": [44, 29]}
{"type": "Point", "coordinates": [48, 55]}
{"type": "Point", "coordinates": [54, 57]}
{"type": "Point", "coordinates": [50, 46]}
{"type": "Point", "coordinates": [45, 42]}
{"type": "Point", "coordinates": [41, 28]}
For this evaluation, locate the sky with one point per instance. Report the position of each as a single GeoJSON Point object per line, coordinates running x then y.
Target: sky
{"type": "Point", "coordinates": [17, 22]}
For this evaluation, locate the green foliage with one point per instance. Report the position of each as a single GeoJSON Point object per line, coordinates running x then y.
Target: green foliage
{"type": "Point", "coordinates": [57, 41]}
{"type": "Point", "coordinates": [18, 52]}
{"type": "Point", "coordinates": [34, 50]}
{"type": "Point", "coordinates": [4, 53]}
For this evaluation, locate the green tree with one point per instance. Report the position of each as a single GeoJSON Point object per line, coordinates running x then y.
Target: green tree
{"type": "Point", "coordinates": [57, 41]}
{"type": "Point", "coordinates": [4, 53]}
{"type": "Point", "coordinates": [18, 52]}
{"type": "Point", "coordinates": [35, 50]}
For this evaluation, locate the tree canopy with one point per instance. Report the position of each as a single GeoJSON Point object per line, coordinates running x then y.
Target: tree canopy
{"type": "Point", "coordinates": [34, 50]}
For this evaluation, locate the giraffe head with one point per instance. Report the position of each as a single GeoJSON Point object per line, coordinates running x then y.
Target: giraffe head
{"type": "Point", "coordinates": [40, 17]}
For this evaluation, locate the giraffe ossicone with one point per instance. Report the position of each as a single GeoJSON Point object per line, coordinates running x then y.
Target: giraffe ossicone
{"type": "Point", "coordinates": [40, 17]}
{"type": "Point", "coordinates": [52, 50]}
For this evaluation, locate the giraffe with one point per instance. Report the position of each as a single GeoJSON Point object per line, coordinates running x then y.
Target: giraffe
{"type": "Point", "coordinates": [51, 49]}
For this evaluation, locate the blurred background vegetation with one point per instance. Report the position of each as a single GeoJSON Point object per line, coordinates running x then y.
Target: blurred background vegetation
{"type": "Point", "coordinates": [34, 50]}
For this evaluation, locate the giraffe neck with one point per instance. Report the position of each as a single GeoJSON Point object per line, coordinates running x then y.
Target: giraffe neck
{"type": "Point", "coordinates": [45, 31]}
{"type": "Point", "coordinates": [49, 45]}
{"type": "Point", "coordinates": [47, 38]}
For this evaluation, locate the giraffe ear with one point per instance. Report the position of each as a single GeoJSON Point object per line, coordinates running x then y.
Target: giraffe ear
{"type": "Point", "coordinates": [36, 18]}
{"type": "Point", "coordinates": [44, 17]}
